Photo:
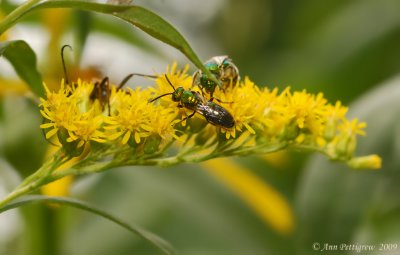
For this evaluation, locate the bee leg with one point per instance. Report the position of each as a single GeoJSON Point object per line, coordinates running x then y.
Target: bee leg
{"type": "Point", "coordinates": [187, 117]}
{"type": "Point", "coordinates": [233, 81]}
{"type": "Point", "coordinates": [94, 94]}
{"type": "Point", "coordinates": [109, 108]}
{"type": "Point", "coordinates": [211, 96]}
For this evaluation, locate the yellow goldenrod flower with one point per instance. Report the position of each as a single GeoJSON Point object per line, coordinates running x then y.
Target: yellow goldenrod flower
{"type": "Point", "coordinates": [59, 110]}
{"type": "Point", "coordinates": [68, 111]}
{"type": "Point", "coordinates": [353, 127]}
{"type": "Point", "coordinates": [130, 118]}
{"type": "Point", "coordinates": [88, 128]}
{"type": "Point", "coordinates": [264, 120]}
{"type": "Point", "coordinates": [177, 78]}
{"type": "Point", "coordinates": [107, 127]}
{"type": "Point", "coordinates": [162, 120]}
{"type": "Point", "coordinates": [244, 103]}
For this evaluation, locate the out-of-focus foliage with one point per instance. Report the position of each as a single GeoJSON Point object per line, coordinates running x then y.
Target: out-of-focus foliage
{"type": "Point", "coordinates": [339, 47]}
{"type": "Point", "coordinates": [342, 48]}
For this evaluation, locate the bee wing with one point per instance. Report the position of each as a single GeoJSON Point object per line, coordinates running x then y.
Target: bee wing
{"type": "Point", "coordinates": [216, 115]}
{"type": "Point", "coordinates": [220, 59]}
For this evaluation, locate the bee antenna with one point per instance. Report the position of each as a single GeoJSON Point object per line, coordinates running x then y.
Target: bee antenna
{"type": "Point", "coordinates": [163, 95]}
{"type": "Point", "coordinates": [63, 61]}
{"type": "Point", "coordinates": [166, 77]}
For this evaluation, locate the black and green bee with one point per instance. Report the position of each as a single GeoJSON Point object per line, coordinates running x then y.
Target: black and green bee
{"type": "Point", "coordinates": [224, 70]}
{"type": "Point", "coordinates": [192, 100]}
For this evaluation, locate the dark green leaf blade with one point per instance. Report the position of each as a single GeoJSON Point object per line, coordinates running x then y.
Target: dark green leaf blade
{"type": "Point", "coordinates": [140, 17]}
{"type": "Point", "coordinates": [157, 241]}
{"type": "Point", "coordinates": [23, 59]}
{"type": "Point", "coordinates": [157, 27]}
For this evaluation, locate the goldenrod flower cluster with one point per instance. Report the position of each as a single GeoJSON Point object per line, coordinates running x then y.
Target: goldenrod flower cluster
{"type": "Point", "coordinates": [266, 120]}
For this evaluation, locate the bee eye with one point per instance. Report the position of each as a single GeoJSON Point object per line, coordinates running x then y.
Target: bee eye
{"type": "Point", "coordinates": [212, 66]}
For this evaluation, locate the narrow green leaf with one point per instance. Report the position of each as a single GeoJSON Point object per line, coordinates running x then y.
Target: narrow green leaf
{"type": "Point", "coordinates": [157, 241]}
{"type": "Point", "coordinates": [157, 27]}
{"type": "Point", "coordinates": [23, 59]}
{"type": "Point", "coordinates": [118, 30]}
{"type": "Point", "coordinates": [138, 16]}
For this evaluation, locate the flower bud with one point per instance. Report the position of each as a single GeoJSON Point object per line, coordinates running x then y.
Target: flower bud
{"type": "Point", "coordinates": [366, 162]}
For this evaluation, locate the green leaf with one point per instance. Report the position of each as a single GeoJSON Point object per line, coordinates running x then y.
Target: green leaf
{"type": "Point", "coordinates": [23, 59]}
{"type": "Point", "coordinates": [157, 241]}
{"type": "Point", "coordinates": [138, 16]}
{"type": "Point", "coordinates": [118, 30]}
{"type": "Point", "coordinates": [193, 209]}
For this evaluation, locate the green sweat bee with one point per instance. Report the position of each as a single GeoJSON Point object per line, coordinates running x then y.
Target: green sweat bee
{"type": "Point", "coordinates": [223, 69]}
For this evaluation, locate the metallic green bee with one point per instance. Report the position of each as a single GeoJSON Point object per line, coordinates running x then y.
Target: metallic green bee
{"type": "Point", "coordinates": [224, 70]}
{"type": "Point", "coordinates": [192, 100]}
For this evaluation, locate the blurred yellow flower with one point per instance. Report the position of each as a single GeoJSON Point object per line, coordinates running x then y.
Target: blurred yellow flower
{"type": "Point", "coordinates": [371, 162]}
{"type": "Point", "coordinates": [267, 202]}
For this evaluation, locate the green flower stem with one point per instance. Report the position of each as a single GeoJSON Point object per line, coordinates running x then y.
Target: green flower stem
{"type": "Point", "coordinates": [93, 162]}
{"type": "Point", "coordinates": [12, 18]}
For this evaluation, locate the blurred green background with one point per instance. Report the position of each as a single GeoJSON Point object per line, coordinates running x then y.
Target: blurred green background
{"type": "Point", "coordinates": [349, 50]}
